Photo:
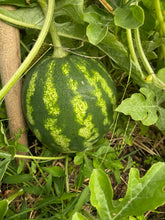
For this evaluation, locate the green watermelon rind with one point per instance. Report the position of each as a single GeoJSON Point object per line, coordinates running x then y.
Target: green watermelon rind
{"type": "Point", "coordinates": [68, 102]}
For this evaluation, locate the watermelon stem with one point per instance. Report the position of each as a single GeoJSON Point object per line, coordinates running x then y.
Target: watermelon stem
{"type": "Point", "coordinates": [32, 53]}
{"type": "Point", "coordinates": [38, 158]}
{"type": "Point", "coordinates": [59, 52]}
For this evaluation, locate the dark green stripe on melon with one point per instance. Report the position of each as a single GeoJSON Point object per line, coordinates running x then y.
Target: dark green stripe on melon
{"type": "Point", "coordinates": [68, 102]}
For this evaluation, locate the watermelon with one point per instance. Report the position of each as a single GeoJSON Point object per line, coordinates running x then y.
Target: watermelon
{"type": "Point", "coordinates": [68, 102]}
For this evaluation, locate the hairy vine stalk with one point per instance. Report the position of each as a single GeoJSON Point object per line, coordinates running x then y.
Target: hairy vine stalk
{"type": "Point", "coordinates": [59, 52]}
{"type": "Point", "coordinates": [21, 70]}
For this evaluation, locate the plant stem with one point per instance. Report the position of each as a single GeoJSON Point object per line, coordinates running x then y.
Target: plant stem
{"type": "Point", "coordinates": [32, 53]}
{"type": "Point", "coordinates": [160, 16]}
{"type": "Point", "coordinates": [141, 52]}
{"type": "Point", "coordinates": [151, 75]}
{"type": "Point", "coordinates": [161, 23]}
{"type": "Point", "coordinates": [19, 193]}
{"type": "Point", "coordinates": [132, 50]}
{"type": "Point", "coordinates": [59, 52]}
{"type": "Point", "coordinates": [38, 158]}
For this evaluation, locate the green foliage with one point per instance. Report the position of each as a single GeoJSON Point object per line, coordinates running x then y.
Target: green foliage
{"type": "Point", "coordinates": [3, 208]}
{"type": "Point", "coordinates": [149, 107]}
{"type": "Point", "coordinates": [139, 191]}
{"type": "Point", "coordinates": [98, 21]}
{"type": "Point", "coordinates": [87, 29]}
{"type": "Point", "coordinates": [22, 3]}
{"type": "Point", "coordinates": [129, 17]}
{"type": "Point", "coordinates": [103, 157]}
{"type": "Point", "coordinates": [101, 193]}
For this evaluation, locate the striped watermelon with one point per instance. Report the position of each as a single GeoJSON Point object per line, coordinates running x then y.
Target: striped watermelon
{"type": "Point", "coordinates": [68, 102]}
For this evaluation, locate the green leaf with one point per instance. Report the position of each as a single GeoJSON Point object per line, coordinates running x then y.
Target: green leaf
{"type": "Point", "coordinates": [82, 199]}
{"type": "Point", "coordinates": [116, 51]}
{"type": "Point", "coordinates": [32, 189]}
{"type": "Point", "coordinates": [59, 185]}
{"type": "Point", "coordinates": [96, 33]}
{"type": "Point", "coordinates": [55, 171]}
{"type": "Point", "coordinates": [161, 74]}
{"type": "Point", "coordinates": [81, 177]}
{"type": "Point", "coordinates": [98, 24]}
{"type": "Point", "coordinates": [21, 147]}
{"type": "Point", "coordinates": [3, 166]}
{"type": "Point", "coordinates": [129, 17]}
{"type": "Point", "coordinates": [150, 105]}
{"type": "Point", "coordinates": [25, 17]}
{"type": "Point", "coordinates": [94, 14]}
{"type": "Point", "coordinates": [148, 3]}
{"type": "Point", "coordinates": [47, 187]}
{"type": "Point", "coordinates": [88, 166]}
{"type": "Point", "coordinates": [78, 216]}
{"type": "Point", "coordinates": [161, 120]}
{"type": "Point", "coordinates": [101, 193]}
{"type": "Point", "coordinates": [14, 179]}
{"type": "Point", "coordinates": [3, 208]}
{"type": "Point", "coordinates": [71, 30]}
{"type": "Point", "coordinates": [22, 3]}
{"type": "Point", "coordinates": [78, 159]}
{"type": "Point", "coordinates": [71, 8]}
{"type": "Point", "coordinates": [141, 106]}
{"type": "Point", "coordinates": [143, 194]}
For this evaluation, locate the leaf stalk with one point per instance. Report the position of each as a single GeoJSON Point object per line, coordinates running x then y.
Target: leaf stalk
{"type": "Point", "coordinates": [38, 158]}
{"type": "Point", "coordinates": [161, 23]}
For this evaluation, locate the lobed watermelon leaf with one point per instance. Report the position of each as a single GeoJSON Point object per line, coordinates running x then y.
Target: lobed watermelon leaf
{"type": "Point", "coordinates": [148, 190]}
{"type": "Point", "coordinates": [145, 107]}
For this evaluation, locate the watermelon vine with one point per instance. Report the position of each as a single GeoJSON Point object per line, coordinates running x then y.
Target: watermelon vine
{"type": "Point", "coordinates": [33, 52]}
